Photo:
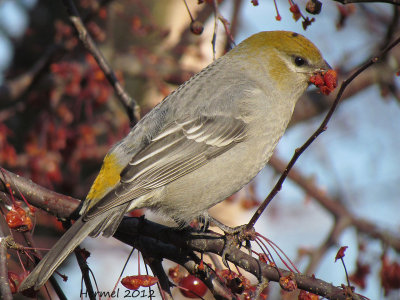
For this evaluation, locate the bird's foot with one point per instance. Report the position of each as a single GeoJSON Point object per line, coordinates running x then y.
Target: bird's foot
{"type": "Point", "coordinates": [235, 236]}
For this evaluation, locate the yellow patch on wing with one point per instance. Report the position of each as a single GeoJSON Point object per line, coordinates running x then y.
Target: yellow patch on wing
{"type": "Point", "coordinates": [108, 177]}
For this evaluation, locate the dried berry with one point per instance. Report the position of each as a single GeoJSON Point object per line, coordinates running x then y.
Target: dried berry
{"type": "Point", "coordinates": [313, 7]}
{"type": "Point", "coordinates": [196, 27]}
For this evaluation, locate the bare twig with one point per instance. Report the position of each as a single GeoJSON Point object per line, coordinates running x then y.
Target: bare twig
{"type": "Point", "coordinates": [394, 2]}
{"type": "Point", "coordinates": [214, 283]}
{"type": "Point", "coordinates": [386, 73]}
{"type": "Point", "coordinates": [391, 30]}
{"type": "Point", "coordinates": [85, 273]}
{"type": "Point", "coordinates": [128, 102]}
{"type": "Point", "coordinates": [188, 10]}
{"type": "Point", "coordinates": [54, 203]}
{"type": "Point", "coordinates": [186, 34]}
{"type": "Point", "coordinates": [158, 270]}
{"type": "Point", "coordinates": [13, 89]}
{"type": "Point", "coordinates": [320, 130]}
{"type": "Point", "coordinates": [5, 290]}
{"type": "Point", "coordinates": [57, 289]}
{"type": "Point", "coordinates": [4, 284]}
{"type": "Point", "coordinates": [96, 6]}
{"type": "Point", "coordinates": [225, 23]}
{"type": "Point", "coordinates": [214, 38]}
{"type": "Point", "coordinates": [332, 240]}
{"type": "Point", "coordinates": [237, 5]}
{"type": "Point", "coordinates": [13, 110]}
{"type": "Point", "coordinates": [338, 210]}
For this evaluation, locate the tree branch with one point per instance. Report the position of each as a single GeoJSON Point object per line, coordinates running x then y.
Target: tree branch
{"type": "Point", "coordinates": [128, 102]}
{"type": "Point", "coordinates": [5, 290]}
{"type": "Point", "coordinates": [344, 2]}
{"type": "Point", "coordinates": [54, 203]}
{"type": "Point", "coordinates": [155, 236]}
{"type": "Point", "coordinates": [161, 242]}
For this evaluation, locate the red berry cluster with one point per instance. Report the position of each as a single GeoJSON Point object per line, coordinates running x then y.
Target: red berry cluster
{"type": "Point", "coordinates": [326, 82]}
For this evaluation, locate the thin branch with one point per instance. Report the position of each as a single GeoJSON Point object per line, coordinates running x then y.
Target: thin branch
{"type": "Point", "coordinates": [320, 130]}
{"type": "Point", "coordinates": [5, 290]}
{"type": "Point", "coordinates": [202, 16]}
{"type": "Point", "coordinates": [225, 23]}
{"type": "Point", "coordinates": [385, 74]}
{"type": "Point", "coordinates": [338, 210]}
{"type": "Point", "coordinates": [158, 271]}
{"type": "Point", "coordinates": [334, 207]}
{"type": "Point", "coordinates": [235, 18]}
{"type": "Point", "coordinates": [85, 273]}
{"type": "Point", "coordinates": [188, 10]}
{"type": "Point", "coordinates": [214, 38]}
{"type": "Point", "coordinates": [7, 113]}
{"type": "Point", "coordinates": [13, 89]}
{"type": "Point", "coordinates": [392, 27]}
{"type": "Point", "coordinates": [38, 255]}
{"type": "Point", "coordinates": [95, 10]}
{"type": "Point", "coordinates": [214, 283]}
{"type": "Point", "coordinates": [344, 2]}
{"type": "Point", "coordinates": [317, 255]}
{"type": "Point", "coordinates": [57, 288]}
{"type": "Point", "coordinates": [128, 102]}
{"type": "Point", "coordinates": [60, 205]}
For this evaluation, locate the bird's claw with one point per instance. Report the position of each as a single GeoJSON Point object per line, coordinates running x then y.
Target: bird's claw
{"type": "Point", "coordinates": [235, 237]}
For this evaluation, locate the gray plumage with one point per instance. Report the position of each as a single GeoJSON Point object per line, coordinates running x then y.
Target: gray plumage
{"type": "Point", "coordinates": [203, 143]}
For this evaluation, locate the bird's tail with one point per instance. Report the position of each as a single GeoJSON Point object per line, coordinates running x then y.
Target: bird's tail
{"type": "Point", "coordinates": [65, 245]}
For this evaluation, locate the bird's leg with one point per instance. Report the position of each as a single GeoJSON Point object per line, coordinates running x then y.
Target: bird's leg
{"type": "Point", "coordinates": [226, 229]}
{"type": "Point", "coordinates": [205, 221]}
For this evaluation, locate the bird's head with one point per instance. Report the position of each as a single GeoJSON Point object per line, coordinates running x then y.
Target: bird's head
{"type": "Point", "coordinates": [286, 59]}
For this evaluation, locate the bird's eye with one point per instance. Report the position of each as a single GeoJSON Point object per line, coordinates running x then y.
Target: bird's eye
{"type": "Point", "coordinates": [299, 61]}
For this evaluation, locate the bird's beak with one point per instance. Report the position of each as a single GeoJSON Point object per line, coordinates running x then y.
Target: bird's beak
{"type": "Point", "coordinates": [322, 68]}
{"type": "Point", "coordinates": [326, 66]}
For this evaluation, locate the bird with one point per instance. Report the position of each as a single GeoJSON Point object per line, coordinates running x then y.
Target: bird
{"type": "Point", "coordinates": [201, 144]}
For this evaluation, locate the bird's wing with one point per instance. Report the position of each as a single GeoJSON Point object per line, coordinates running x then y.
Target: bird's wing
{"type": "Point", "coordinates": [178, 149]}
